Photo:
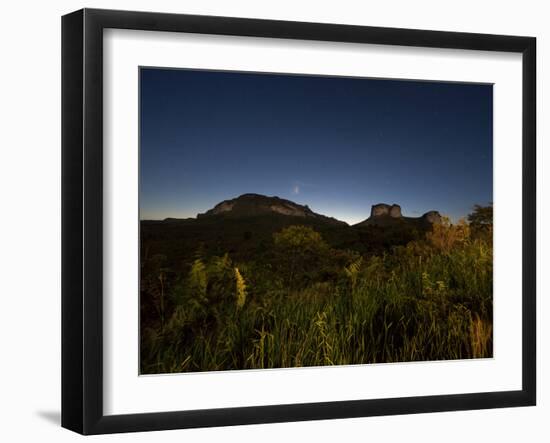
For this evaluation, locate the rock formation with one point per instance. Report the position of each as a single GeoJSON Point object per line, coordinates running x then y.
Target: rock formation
{"type": "Point", "coordinates": [382, 209]}
{"type": "Point", "coordinates": [384, 214]}
{"type": "Point", "coordinates": [395, 211]}
{"type": "Point", "coordinates": [251, 205]}
{"type": "Point", "coordinates": [255, 205]}
{"type": "Point", "coordinates": [432, 217]}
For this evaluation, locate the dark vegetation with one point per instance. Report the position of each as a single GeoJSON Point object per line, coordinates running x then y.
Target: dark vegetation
{"type": "Point", "coordinates": [263, 291]}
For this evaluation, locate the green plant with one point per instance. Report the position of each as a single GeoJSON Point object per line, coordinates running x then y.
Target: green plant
{"type": "Point", "coordinates": [428, 300]}
{"type": "Point", "coordinates": [240, 289]}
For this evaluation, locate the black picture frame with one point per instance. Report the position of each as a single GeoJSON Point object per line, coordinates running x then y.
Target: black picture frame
{"type": "Point", "coordinates": [82, 218]}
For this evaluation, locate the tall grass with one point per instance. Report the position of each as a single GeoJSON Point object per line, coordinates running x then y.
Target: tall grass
{"type": "Point", "coordinates": [430, 300]}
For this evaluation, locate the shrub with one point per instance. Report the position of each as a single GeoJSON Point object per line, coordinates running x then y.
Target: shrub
{"type": "Point", "coordinates": [300, 253]}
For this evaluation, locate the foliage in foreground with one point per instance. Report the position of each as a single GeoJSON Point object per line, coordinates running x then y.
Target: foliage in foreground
{"type": "Point", "coordinates": [305, 304]}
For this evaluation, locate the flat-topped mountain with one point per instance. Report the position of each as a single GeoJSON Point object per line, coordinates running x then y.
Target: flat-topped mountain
{"type": "Point", "coordinates": [244, 227]}
{"type": "Point", "coordinates": [383, 214]}
{"type": "Point", "coordinates": [249, 206]}
{"type": "Point", "coordinates": [252, 205]}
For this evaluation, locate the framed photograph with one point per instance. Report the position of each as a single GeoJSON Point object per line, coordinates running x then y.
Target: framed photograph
{"type": "Point", "coordinates": [269, 221]}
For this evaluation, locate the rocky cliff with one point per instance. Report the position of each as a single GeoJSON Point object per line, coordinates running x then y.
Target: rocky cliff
{"type": "Point", "coordinates": [251, 205]}
{"type": "Point", "coordinates": [382, 209]}
{"type": "Point", "coordinates": [384, 214]}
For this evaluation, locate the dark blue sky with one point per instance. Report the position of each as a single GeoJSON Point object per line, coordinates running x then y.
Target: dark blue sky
{"type": "Point", "coordinates": [336, 144]}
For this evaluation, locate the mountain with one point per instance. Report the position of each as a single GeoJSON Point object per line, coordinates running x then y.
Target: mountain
{"type": "Point", "coordinates": [253, 205]}
{"type": "Point", "coordinates": [383, 214]}
{"type": "Point", "coordinates": [244, 228]}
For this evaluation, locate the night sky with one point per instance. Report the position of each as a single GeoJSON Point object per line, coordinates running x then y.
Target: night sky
{"type": "Point", "coordinates": [336, 144]}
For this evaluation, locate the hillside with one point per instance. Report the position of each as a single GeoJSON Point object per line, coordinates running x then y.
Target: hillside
{"type": "Point", "coordinates": [244, 227]}
{"type": "Point", "coordinates": [253, 205]}
{"type": "Point", "coordinates": [262, 282]}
